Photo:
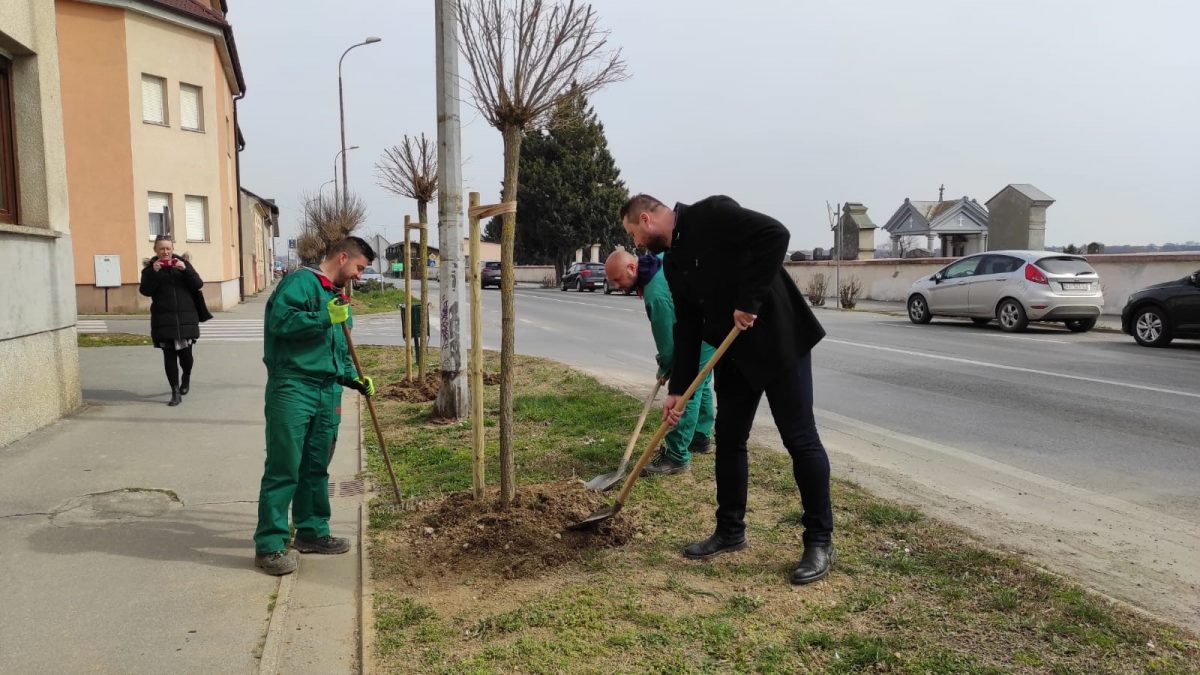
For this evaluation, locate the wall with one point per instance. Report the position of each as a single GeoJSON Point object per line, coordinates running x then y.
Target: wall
{"type": "Point", "coordinates": [39, 360]}
{"type": "Point", "coordinates": [888, 280]}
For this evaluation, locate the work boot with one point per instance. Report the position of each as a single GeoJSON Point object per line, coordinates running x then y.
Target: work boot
{"type": "Point", "coordinates": [814, 564]}
{"type": "Point", "coordinates": [326, 545]}
{"type": "Point", "coordinates": [176, 399]}
{"type": "Point", "coordinates": [701, 445]}
{"type": "Point", "coordinates": [662, 465]}
{"type": "Point", "coordinates": [186, 385]}
{"type": "Point", "coordinates": [277, 563]}
{"type": "Point", "coordinates": [713, 546]}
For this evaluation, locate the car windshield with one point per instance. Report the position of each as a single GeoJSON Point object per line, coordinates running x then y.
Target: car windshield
{"type": "Point", "coordinates": [491, 265]}
{"type": "Point", "coordinates": [1065, 265]}
{"type": "Point", "coordinates": [595, 266]}
{"type": "Point", "coordinates": [370, 270]}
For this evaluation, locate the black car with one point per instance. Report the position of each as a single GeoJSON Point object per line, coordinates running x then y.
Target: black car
{"type": "Point", "coordinates": [490, 274]}
{"type": "Point", "coordinates": [1156, 315]}
{"type": "Point", "coordinates": [582, 276]}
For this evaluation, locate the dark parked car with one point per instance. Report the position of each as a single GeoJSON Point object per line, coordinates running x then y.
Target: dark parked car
{"type": "Point", "coordinates": [490, 274]}
{"type": "Point", "coordinates": [582, 276]}
{"type": "Point", "coordinates": [1156, 315]}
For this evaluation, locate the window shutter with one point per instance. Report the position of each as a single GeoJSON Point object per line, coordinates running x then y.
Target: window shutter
{"type": "Point", "coordinates": [194, 208]}
{"type": "Point", "coordinates": [153, 109]}
{"type": "Point", "coordinates": [189, 107]}
{"type": "Point", "coordinates": [156, 206]}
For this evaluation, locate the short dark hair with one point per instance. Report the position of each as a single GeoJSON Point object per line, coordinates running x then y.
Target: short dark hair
{"type": "Point", "coordinates": [639, 204]}
{"type": "Point", "coordinates": [353, 246]}
{"type": "Point", "coordinates": [163, 237]}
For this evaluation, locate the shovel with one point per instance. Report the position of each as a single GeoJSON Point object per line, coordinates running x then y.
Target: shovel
{"type": "Point", "coordinates": [609, 511]}
{"type": "Point", "coordinates": [374, 419]}
{"type": "Point", "coordinates": [606, 481]}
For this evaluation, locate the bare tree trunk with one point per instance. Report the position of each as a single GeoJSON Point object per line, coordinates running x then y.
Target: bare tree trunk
{"type": "Point", "coordinates": [508, 335]}
{"type": "Point", "coordinates": [423, 216]}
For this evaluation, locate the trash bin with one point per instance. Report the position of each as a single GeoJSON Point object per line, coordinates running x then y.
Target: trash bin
{"type": "Point", "coordinates": [420, 330]}
{"type": "Point", "coordinates": [417, 319]}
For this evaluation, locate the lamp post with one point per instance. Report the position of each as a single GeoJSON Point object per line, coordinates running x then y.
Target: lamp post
{"type": "Point", "coordinates": [341, 153]}
{"type": "Point", "coordinates": [342, 111]}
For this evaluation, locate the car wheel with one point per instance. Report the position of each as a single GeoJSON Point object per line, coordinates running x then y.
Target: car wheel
{"type": "Point", "coordinates": [579, 285]}
{"type": "Point", "coordinates": [607, 290]}
{"type": "Point", "coordinates": [1080, 325]}
{"type": "Point", "coordinates": [1012, 316]}
{"type": "Point", "coordinates": [918, 310]}
{"type": "Point", "coordinates": [1150, 328]}
{"type": "Point", "coordinates": [563, 287]}
{"type": "Point", "coordinates": [981, 320]}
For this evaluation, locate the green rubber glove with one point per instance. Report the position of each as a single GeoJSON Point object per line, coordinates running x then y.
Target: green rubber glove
{"type": "Point", "coordinates": [364, 385]}
{"type": "Point", "coordinates": [339, 311]}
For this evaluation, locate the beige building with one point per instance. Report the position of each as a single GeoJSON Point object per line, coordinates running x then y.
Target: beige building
{"type": "Point", "coordinates": [39, 361]}
{"type": "Point", "coordinates": [149, 118]}
{"type": "Point", "coordinates": [260, 226]}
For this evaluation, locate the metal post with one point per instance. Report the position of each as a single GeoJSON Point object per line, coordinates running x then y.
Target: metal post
{"type": "Point", "coordinates": [342, 113]}
{"type": "Point", "coordinates": [473, 277]}
{"type": "Point", "coordinates": [452, 397]}
{"type": "Point", "coordinates": [408, 331]}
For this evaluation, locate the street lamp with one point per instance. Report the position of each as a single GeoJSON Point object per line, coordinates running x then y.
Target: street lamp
{"type": "Point", "coordinates": [342, 111]}
{"type": "Point", "coordinates": [321, 190]}
{"type": "Point", "coordinates": [341, 153]}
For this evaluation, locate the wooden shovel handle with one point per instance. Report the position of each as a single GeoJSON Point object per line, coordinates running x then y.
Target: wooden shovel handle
{"type": "Point", "coordinates": [679, 406]}
{"type": "Point", "coordinates": [637, 429]}
{"type": "Point", "coordinates": [374, 418]}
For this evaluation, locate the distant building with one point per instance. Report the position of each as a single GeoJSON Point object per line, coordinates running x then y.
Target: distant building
{"type": "Point", "coordinates": [857, 233]}
{"type": "Point", "coordinates": [1017, 218]}
{"type": "Point", "coordinates": [947, 228]}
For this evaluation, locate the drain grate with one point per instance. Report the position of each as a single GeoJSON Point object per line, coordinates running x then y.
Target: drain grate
{"type": "Point", "coordinates": [347, 488]}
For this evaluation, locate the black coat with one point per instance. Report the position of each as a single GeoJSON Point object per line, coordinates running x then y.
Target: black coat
{"type": "Point", "coordinates": [176, 305]}
{"type": "Point", "coordinates": [725, 257]}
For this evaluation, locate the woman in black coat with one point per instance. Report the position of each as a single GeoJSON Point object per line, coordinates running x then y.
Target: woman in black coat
{"type": "Point", "coordinates": [176, 310]}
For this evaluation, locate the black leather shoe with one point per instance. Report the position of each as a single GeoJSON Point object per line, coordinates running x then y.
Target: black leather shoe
{"type": "Point", "coordinates": [814, 564]}
{"type": "Point", "coordinates": [712, 547]}
{"type": "Point", "coordinates": [176, 399]}
{"type": "Point", "coordinates": [186, 385]}
{"type": "Point", "coordinates": [701, 445]}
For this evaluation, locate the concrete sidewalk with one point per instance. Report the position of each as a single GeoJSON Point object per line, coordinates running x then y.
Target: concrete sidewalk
{"type": "Point", "coordinates": [127, 531]}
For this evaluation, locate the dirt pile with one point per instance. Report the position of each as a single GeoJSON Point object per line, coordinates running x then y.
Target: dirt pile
{"type": "Point", "coordinates": [422, 391]}
{"type": "Point", "coordinates": [461, 534]}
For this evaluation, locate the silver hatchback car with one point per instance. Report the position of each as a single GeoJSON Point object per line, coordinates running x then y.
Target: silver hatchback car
{"type": "Point", "coordinates": [1012, 287]}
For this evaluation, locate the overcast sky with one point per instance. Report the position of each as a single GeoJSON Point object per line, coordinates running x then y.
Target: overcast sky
{"type": "Point", "coordinates": [782, 105]}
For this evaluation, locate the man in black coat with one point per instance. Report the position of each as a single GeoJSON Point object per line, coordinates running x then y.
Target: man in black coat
{"type": "Point", "coordinates": [724, 264]}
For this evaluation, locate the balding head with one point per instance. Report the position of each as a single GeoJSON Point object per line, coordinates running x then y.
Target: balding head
{"type": "Point", "coordinates": [621, 269]}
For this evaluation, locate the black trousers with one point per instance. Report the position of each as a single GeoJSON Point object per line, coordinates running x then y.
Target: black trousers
{"type": "Point", "coordinates": [173, 360]}
{"type": "Point", "coordinates": [790, 396]}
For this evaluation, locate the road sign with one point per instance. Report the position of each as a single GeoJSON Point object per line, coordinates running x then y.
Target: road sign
{"type": "Point", "coordinates": [291, 243]}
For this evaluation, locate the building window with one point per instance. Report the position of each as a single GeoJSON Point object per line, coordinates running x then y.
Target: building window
{"type": "Point", "coordinates": [154, 100]}
{"type": "Point", "coordinates": [160, 214]}
{"type": "Point", "coordinates": [196, 214]}
{"type": "Point", "coordinates": [8, 147]}
{"type": "Point", "coordinates": [191, 108]}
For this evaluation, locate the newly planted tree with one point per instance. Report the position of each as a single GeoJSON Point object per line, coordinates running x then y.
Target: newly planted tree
{"type": "Point", "coordinates": [525, 56]}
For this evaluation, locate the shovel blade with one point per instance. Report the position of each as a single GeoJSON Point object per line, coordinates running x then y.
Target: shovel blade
{"type": "Point", "coordinates": [597, 517]}
{"type": "Point", "coordinates": [605, 481]}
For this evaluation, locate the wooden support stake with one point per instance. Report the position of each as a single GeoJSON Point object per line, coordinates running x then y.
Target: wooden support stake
{"type": "Point", "coordinates": [407, 302]}
{"type": "Point", "coordinates": [476, 282]}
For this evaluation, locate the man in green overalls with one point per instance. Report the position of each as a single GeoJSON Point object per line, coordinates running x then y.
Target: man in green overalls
{"type": "Point", "coordinates": [308, 363]}
{"type": "Point", "coordinates": [627, 271]}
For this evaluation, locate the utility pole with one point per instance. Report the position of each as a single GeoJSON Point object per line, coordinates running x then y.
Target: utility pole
{"type": "Point", "coordinates": [835, 224]}
{"type": "Point", "coordinates": [451, 400]}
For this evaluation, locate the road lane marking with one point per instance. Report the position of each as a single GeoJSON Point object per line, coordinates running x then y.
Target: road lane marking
{"type": "Point", "coordinates": [1022, 337]}
{"type": "Point", "coordinates": [1018, 369]}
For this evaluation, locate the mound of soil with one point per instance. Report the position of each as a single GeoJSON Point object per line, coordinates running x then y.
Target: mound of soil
{"type": "Point", "coordinates": [459, 533]}
{"type": "Point", "coordinates": [422, 391]}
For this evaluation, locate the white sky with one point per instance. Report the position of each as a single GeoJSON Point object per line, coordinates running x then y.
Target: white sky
{"type": "Point", "coordinates": [783, 106]}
